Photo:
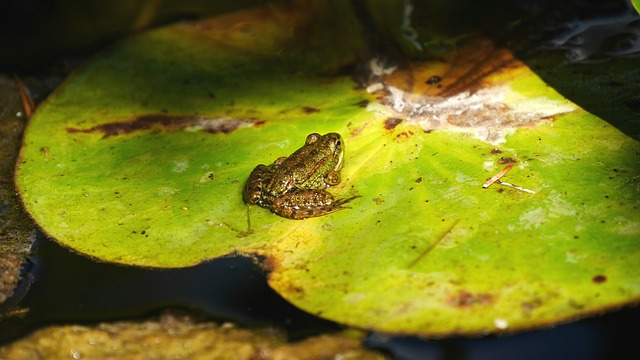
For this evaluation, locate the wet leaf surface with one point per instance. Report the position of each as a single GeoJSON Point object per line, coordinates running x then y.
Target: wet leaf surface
{"type": "Point", "coordinates": [141, 156]}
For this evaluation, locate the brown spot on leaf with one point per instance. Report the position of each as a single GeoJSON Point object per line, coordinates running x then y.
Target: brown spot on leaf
{"type": "Point", "coordinates": [507, 161]}
{"type": "Point", "coordinates": [496, 151]}
{"type": "Point", "coordinates": [419, 180]}
{"type": "Point", "coordinates": [310, 110]}
{"type": "Point", "coordinates": [357, 131]}
{"type": "Point", "coordinates": [529, 306]}
{"type": "Point", "coordinates": [268, 263]}
{"type": "Point", "coordinates": [403, 136]}
{"type": "Point", "coordinates": [467, 299]}
{"type": "Point", "coordinates": [378, 201]}
{"type": "Point", "coordinates": [161, 122]}
{"type": "Point", "coordinates": [362, 103]}
{"type": "Point", "coordinates": [467, 69]}
{"type": "Point", "coordinates": [391, 123]}
{"type": "Point", "coordinates": [470, 97]}
{"type": "Point", "coordinates": [475, 63]}
{"type": "Point", "coordinates": [599, 279]}
{"type": "Point", "coordinates": [575, 305]}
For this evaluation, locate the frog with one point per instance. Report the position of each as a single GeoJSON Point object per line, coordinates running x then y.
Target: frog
{"type": "Point", "coordinates": [294, 187]}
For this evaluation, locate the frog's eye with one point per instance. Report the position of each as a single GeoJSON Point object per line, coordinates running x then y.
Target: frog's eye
{"type": "Point", "coordinates": [338, 145]}
{"type": "Point", "coordinates": [311, 138]}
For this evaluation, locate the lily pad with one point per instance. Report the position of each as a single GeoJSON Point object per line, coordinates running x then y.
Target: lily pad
{"type": "Point", "coordinates": [180, 336]}
{"type": "Point", "coordinates": [140, 158]}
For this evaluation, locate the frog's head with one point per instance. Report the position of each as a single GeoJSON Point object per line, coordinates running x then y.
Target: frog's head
{"type": "Point", "coordinates": [313, 166]}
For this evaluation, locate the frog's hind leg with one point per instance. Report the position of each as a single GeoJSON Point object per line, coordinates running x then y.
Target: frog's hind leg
{"type": "Point", "coordinates": [305, 204]}
{"type": "Point", "coordinates": [253, 190]}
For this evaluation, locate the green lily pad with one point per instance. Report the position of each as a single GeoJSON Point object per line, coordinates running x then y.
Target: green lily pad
{"type": "Point", "coordinates": [141, 156]}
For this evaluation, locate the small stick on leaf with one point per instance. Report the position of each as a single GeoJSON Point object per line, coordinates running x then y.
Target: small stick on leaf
{"type": "Point", "coordinates": [497, 176]}
{"type": "Point", "coordinates": [515, 187]}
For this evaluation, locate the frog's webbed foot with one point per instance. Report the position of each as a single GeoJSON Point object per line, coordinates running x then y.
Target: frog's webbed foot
{"type": "Point", "coordinates": [307, 203]}
{"type": "Point", "coordinates": [339, 202]}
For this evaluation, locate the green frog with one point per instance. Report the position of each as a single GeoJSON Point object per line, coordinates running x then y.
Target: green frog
{"type": "Point", "coordinates": [294, 187]}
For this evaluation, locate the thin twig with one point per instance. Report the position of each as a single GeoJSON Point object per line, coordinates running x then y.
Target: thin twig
{"type": "Point", "coordinates": [497, 176]}
{"type": "Point", "coordinates": [515, 187]}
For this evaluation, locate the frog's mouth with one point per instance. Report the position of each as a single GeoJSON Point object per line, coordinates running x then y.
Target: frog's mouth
{"type": "Point", "coordinates": [339, 151]}
{"type": "Point", "coordinates": [339, 164]}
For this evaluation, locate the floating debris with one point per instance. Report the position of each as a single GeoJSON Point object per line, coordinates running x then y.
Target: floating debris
{"type": "Point", "coordinates": [496, 179]}
{"type": "Point", "coordinates": [497, 176]}
{"type": "Point", "coordinates": [504, 183]}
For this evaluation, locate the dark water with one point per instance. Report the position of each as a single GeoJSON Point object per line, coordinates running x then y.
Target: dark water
{"type": "Point", "coordinates": [64, 287]}
{"type": "Point", "coordinates": [612, 336]}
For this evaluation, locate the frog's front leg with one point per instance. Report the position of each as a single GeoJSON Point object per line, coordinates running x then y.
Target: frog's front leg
{"type": "Point", "coordinates": [304, 204]}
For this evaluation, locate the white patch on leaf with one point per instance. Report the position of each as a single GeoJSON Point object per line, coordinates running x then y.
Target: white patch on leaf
{"type": "Point", "coordinates": [167, 191]}
{"type": "Point", "coordinates": [488, 114]}
{"type": "Point", "coordinates": [488, 165]}
{"type": "Point", "coordinates": [531, 219]}
{"type": "Point", "coordinates": [624, 226]}
{"type": "Point", "coordinates": [180, 166]}
{"type": "Point", "coordinates": [558, 206]}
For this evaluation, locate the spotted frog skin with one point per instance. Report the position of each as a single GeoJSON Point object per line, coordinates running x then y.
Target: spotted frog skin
{"type": "Point", "coordinates": [294, 187]}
